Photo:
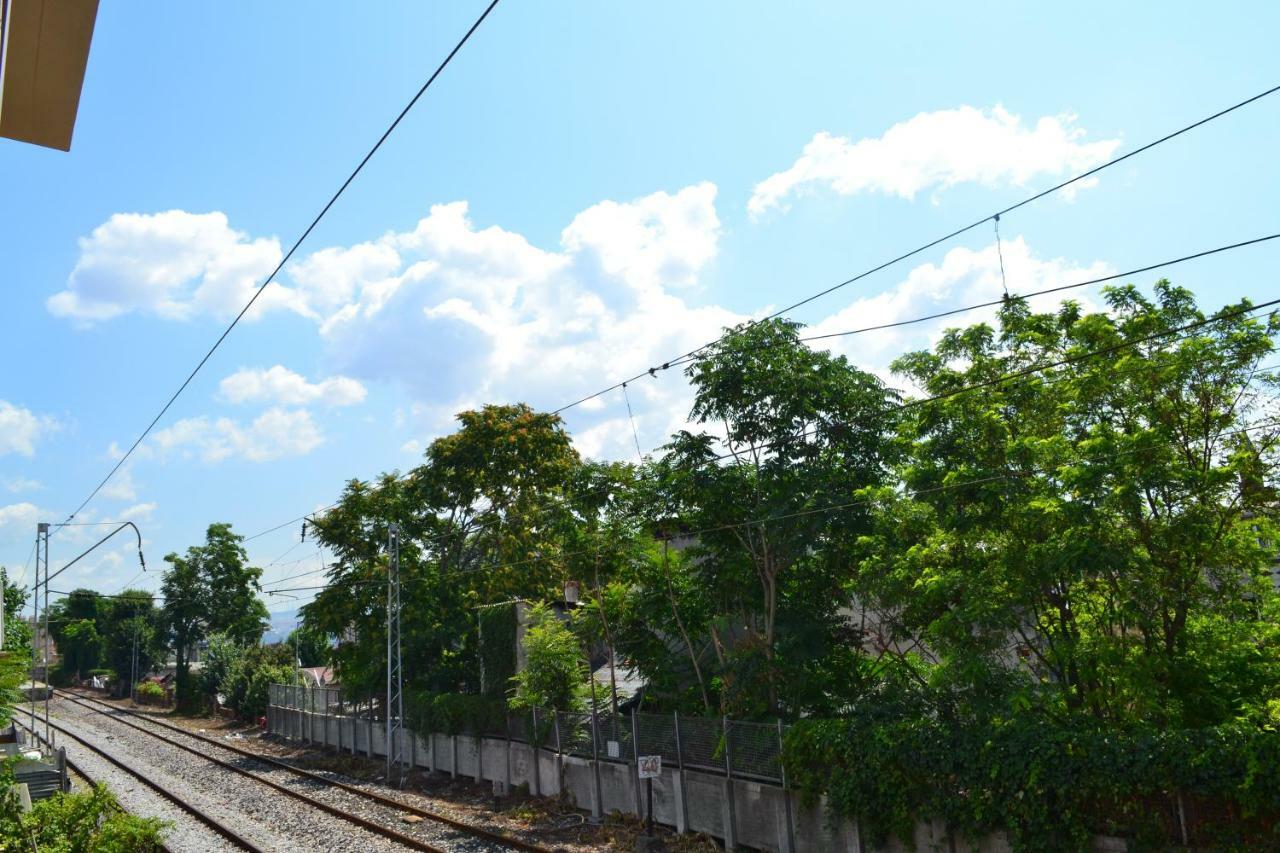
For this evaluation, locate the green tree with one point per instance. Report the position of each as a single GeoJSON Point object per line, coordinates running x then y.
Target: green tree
{"type": "Point", "coordinates": [211, 588]}
{"type": "Point", "coordinates": [81, 647]}
{"type": "Point", "coordinates": [484, 519]}
{"type": "Point", "coordinates": [131, 622]}
{"type": "Point", "coordinates": [801, 432]}
{"type": "Point", "coordinates": [310, 647]}
{"type": "Point", "coordinates": [1104, 530]}
{"type": "Point", "coordinates": [554, 677]}
{"type": "Point", "coordinates": [17, 633]}
{"type": "Point", "coordinates": [90, 821]}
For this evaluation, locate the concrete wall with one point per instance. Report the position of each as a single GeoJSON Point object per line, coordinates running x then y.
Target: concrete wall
{"type": "Point", "coordinates": [739, 812]}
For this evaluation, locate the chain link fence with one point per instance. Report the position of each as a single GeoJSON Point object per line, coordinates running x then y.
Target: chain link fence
{"type": "Point", "coordinates": [735, 748]}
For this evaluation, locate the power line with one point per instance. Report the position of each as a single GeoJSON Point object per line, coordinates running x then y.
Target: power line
{"type": "Point", "coordinates": [929, 245]}
{"type": "Point", "coordinates": [1018, 375]}
{"type": "Point", "coordinates": [772, 519]}
{"type": "Point", "coordinates": [1058, 289]}
{"type": "Point", "coordinates": [1169, 337]}
{"type": "Point", "coordinates": [286, 258]}
{"type": "Point", "coordinates": [899, 323]}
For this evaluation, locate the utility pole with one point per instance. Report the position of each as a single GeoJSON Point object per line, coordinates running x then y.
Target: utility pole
{"type": "Point", "coordinates": [133, 679]}
{"type": "Point", "coordinates": [395, 695]}
{"type": "Point", "coordinates": [42, 530]}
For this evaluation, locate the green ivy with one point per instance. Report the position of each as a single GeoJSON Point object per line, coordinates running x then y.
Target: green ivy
{"type": "Point", "coordinates": [1049, 785]}
{"type": "Point", "coordinates": [454, 713]}
{"type": "Point", "coordinates": [498, 647]}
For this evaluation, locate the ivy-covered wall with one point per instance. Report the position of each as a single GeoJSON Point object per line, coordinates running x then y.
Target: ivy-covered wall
{"type": "Point", "coordinates": [1049, 784]}
{"type": "Point", "coordinates": [497, 648]}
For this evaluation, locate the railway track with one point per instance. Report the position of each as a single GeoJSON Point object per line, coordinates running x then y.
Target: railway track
{"type": "Point", "coordinates": [474, 833]}
{"type": "Point", "coordinates": [195, 811]}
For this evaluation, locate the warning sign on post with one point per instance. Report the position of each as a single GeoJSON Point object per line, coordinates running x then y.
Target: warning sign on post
{"type": "Point", "coordinates": [650, 766]}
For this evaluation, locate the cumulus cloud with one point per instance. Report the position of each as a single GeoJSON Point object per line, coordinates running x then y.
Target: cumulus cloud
{"type": "Point", "coordinates": [461, 313]}
{"type": "Point", "coordinates": [937, 150]}
{"type": "Point", "coordinates": [21, 517]}
{"type": "Point", "coordinates": [280, 386]}
{"type": "Point", "coordinates": [274, 434]}
{"type": "Point", "coordinates": [121, 487]}
{"type": "Point", "coordinates": [21, 429]}
{"type": "Point", "coordinates": [963, 277]}
{"type": "Point", "coordinates": [18, 485]}
{"type": "Point", "coordinates": [137, 512]}
{"type": "Point", "coordinates": [172, 264]}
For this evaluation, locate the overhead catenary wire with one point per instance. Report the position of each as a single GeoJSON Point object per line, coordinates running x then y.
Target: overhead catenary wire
{"type": "Point", "coordinates": [285, 259]}
{"type": "Point", "coordinates": [935, 242]}
{"type": "Point", "coordinates": [1169, 336]}
{"type": "Point", "coordinates": [1241, 244]}
{"type": "Point", "coordinates": [770, 519]}
{"type": "Point", "coordinates": [1018, 375]}
{"type": "Point", "coordinates": [680, 359]}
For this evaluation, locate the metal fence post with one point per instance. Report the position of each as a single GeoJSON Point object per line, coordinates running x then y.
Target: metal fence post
{"type": "Point", "coordinates": [635, 767]}
{"type": "Point", "coordinates": [555, 721]}
{"type": "Point", "coordinates": [597, 802]}
{"type": "Point", "coordinates": [368, 746]}
{"type": "Point", "coordinates": [506, 724]}
{"type": "Point", "coordinates": [681, 799]}
{"type": "Point", "coordinates": [790, 836]}
{"type": "Point", "coordinates": [535, 742]}
{"type": "Point", "coordinates": [730, 822]}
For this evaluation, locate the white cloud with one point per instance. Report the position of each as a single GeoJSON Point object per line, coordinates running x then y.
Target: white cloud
{"type": "Point", "coordinates": [937, 150]}
{"type": "Point", "coordinates": [174, 265]}
{"type": "Point", "coordinates": [480, 314]}
{"type": "Point", "coordinates": [137, 512]}
{"type": "Point", "coordinates": [18, 485]}
{"type": "Point", "coordinates": [963, 277]}
{"type": "Point", "coordinates": [21, 517]}
{"type": "Point", "coordinates": [280, 386]}
{"type": "Point", "coordinates": [21, 429]}
{"type": "Point", "coordinates": [274, 434]}
{"type": "Point", "coordinates": [121, 487]}
{"type": "Point", "coordinates": [654, 242]}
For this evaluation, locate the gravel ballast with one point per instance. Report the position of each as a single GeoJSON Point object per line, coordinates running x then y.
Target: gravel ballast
{"type": "Point", "coordinates": [285, 823]}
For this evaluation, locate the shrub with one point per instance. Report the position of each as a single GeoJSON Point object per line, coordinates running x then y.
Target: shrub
{"type": "Point", "coordinates": [1050, 784]}
{"type": "Point", "coordinates": [554, 676]}
{"type": "Point", "coordinates": [89, 821]}
{"type": "Point", "coordinates": [454, 713]}
{"type": "Point", "coordinates": [150, 693]}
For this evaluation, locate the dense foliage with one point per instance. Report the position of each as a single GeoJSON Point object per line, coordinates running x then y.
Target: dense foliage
{"type": "Point", "coordinates": [210, 589]}
{"type": "Point", "coordinates": [1044, 566]}
{"type": "Point", "coordinates": [88, 822]}
{"type": "Point", "coordinates": [241, 673]}
{"type": "Point", "coordinates": [96, 633]}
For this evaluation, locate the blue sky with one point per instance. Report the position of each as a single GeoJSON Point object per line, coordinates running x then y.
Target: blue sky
{"type": "Point", "coordinates": [590, 188]}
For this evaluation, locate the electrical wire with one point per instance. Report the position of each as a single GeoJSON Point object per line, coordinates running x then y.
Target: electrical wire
{"type": "Point", "coordinates": [1022, 374]}
{"type": "Point", "coordinates": [772, 519]}
{"type": "Point", "coordinates": [910, 321]}
{"type": "Point", "coordinates": [298, 242]}
{"type": "Point", "coordinates": [1169, 337]}
{"type": "Point", "coordinates": [932, 243]}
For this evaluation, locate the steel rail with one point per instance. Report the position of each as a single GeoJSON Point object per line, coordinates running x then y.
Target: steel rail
{"type": "Point", "coordinates": [115, 713]}
{"type": "Point", "coordinates": [208, 820]}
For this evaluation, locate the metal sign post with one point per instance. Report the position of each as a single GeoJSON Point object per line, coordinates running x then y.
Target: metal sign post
{"type": "Point", "coordinates": [648, 768]}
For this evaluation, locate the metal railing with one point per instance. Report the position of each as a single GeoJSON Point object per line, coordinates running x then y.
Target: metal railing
{"type": "Point", "coordinates": [736, 749]}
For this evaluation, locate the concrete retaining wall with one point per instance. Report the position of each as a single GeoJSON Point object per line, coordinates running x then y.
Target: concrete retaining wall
{"type": "Point", "coordinates": [739, 812]}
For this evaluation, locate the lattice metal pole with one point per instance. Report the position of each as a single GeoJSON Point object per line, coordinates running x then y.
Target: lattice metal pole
{"type": "Point", "coordinates": [395, 686]}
